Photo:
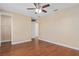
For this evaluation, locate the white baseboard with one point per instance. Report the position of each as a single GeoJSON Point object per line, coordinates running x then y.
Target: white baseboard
{"type": "Point", "coordinates": [18, 42]}
{"type": "Point", "coordinates": [6, 41]}
{"type": "Point", "coordinates": [64, 45]}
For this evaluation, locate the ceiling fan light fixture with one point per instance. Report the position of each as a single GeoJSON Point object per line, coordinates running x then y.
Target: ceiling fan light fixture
{"type": "Point", "coordinates": [38, 10]}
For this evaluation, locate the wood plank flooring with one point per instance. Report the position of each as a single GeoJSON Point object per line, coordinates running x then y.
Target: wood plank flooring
{"type": "Point", "coordinates": [36, 48]}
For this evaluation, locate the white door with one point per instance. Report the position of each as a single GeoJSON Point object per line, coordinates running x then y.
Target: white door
{"type": "Point", "coordinates": [5, 28]}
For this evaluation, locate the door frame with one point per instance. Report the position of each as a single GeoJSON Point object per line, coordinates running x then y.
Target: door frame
{"type": "Point", "coordinates": [8, 14]}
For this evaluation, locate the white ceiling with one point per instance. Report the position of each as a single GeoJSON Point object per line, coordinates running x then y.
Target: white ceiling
{"type": "Point", "coordinates": [22, 8]}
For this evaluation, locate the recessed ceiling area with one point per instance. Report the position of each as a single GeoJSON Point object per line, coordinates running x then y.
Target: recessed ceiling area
{"type": "Point", "coordinates": [22, 8]}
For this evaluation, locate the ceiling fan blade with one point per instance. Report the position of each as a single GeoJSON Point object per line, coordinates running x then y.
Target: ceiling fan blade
{"type": "Point", "coordinates": [44, 11]}
{"type": "Point", "coordinates": [45, 6]}
{"type": "Point", "coordinates": [30, 8]}
{"type": "Point", "coordinates": [39, 5]}
{"type": "Point", "coordinates": [35, 4]}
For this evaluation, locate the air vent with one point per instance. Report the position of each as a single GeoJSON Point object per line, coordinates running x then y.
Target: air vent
{"type": "Point", "coordinates": [55, 10]}
{"type": "Point", "coordinates": [33, 20]}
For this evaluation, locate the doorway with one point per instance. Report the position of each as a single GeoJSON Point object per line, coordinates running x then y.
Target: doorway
{"type": "Point", "coordinates": [35, 29]}
{"type": "Point", "coordinates": [5, 30]}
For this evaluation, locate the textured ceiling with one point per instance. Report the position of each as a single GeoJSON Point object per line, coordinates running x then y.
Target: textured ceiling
{"type": "Point", "coordinates": [22, 8]}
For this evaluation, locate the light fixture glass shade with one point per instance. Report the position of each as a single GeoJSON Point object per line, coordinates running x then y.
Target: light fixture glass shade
{"type": "Point", "coordinates": [38, 10]}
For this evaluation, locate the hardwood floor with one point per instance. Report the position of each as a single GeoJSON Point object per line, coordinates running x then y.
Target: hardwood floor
{"type": "Point", "coordinates": [37, 48]}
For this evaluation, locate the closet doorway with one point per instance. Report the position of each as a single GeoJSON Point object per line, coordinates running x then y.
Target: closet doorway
{"type": "Point", "coordinates": [5, 30]}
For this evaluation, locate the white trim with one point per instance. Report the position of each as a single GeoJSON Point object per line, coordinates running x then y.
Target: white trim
{"type": "Point", "coordinates": [11, 29]}
{"type": "Point", "coordinates": [19, 42]}
{"type": "Point", "coordinates": [61, 44]}
{"type": "Point", "coordinates": [0, 29]}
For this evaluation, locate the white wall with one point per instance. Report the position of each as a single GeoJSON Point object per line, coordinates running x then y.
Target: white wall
{"type": "Point", "coordinates": [21, 28]}
{"type": "Point", "coordinates": [61, 27]}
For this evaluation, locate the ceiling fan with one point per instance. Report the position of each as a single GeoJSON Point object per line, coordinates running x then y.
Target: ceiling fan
{"type": "Point", "coordinates": [38, 8]}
